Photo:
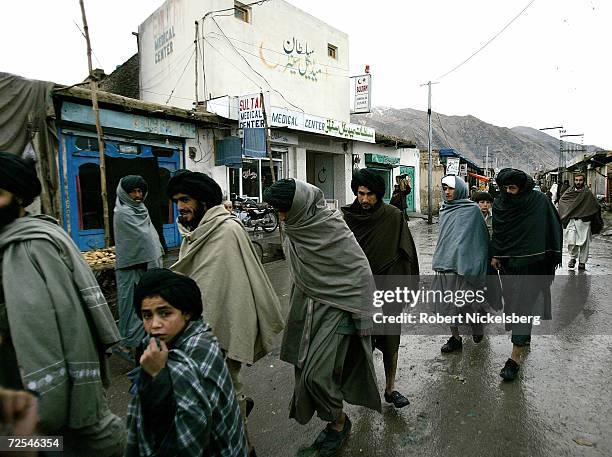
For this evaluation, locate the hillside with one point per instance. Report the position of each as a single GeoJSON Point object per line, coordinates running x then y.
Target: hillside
{"type": "Point", "coordinates": [521, 147]}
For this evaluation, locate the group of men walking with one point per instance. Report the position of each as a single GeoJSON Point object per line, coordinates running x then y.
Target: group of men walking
{"type": "Point", "coordinates": [192, 327]}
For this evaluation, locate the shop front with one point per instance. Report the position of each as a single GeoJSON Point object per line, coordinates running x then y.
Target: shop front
{"type": "Point", "coordinates": [383, 166]}
{"type": "Point", "coordinates": [254, 176]}
{"type": "Point", "coordinates": [134, 144]}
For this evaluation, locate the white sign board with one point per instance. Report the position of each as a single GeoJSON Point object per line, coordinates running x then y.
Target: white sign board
{"type": "Point", "coordinates": [250, 112]}
{"type": "Point", "coordinates": [363, 86]}
{"type": "Point", "coordinates": [281, 117]}
{"type": "Point", "coordinates": [452, 166]}
{"type": "Point", "coordinates": [463, 170]}
{"type": "Point", "coordinates": [283, 137]}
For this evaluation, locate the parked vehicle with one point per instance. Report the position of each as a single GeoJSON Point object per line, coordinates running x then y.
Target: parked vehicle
{"type": "Point", "coordinates": [255, 215]}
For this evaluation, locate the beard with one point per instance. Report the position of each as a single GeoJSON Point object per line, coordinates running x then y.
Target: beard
{"type": "Point", "coordinates": [9, 213]}
{"type": "Point", "coordinates": [579, 186]}
{"type": "Point", "coordinates": [198, 214]}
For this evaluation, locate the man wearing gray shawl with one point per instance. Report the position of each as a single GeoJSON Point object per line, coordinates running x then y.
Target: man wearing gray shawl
{"type": "Point", "coordinates": [461, 256]}
{"type": "Point", "coordinates": [329, 320]}
{"type": "Point", "coordinates": [137, 249]}
{"type": "Point", "coordinates": [55, 324]}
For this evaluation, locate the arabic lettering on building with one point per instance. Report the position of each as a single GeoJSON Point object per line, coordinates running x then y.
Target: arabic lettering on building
{"type": "Point", "coordinates": [300, 60]}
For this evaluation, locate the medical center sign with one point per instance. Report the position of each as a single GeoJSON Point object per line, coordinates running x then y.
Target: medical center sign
{"type": "Point", "coordinates": [250, 112]}
{"type": "Point", "coordinates": [363, 88]}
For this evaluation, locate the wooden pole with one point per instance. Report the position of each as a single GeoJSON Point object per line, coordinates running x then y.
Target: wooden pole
{"type": "Point", "coordinates": [93, 84]}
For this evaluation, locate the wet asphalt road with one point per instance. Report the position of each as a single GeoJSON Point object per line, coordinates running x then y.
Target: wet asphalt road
{"type": "Point", "coordinates": [561, 404]}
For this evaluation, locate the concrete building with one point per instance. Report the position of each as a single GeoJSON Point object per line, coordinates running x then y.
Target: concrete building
{"type": "Point", "coordinates": [213, 54]}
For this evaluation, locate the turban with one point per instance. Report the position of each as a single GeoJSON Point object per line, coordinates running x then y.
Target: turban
{"type": "Point", "coordinates": [197, 185]}
{"type": "Point", "coordinates": [131, 182]}
{"type": "Point", "coordinates": [370, 179]}
{"type": "Point", "coordinates": [180, 291]}
{"type": "Point", "coordinates": [18, 175]}
{"type": "Point", "coordinates": [511, 176]}
{"type": "Point", "coordinates": [480, 196]}
{"type": "Point", "coordinates": [280, 194]}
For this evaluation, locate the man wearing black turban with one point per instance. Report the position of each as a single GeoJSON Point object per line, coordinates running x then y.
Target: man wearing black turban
{"type": "Point", "coordinates": [54, 320]}
{"type": "Point", "coordinates": [384, 236]}
{"type": "Point", "coordinates": [239, 301]}
{"type": "Point", "coordinates": [181, 371]}
{"type": "Point", "coordinates": [526, 249]}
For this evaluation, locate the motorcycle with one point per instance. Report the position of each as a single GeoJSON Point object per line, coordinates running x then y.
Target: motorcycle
{"type": "Point", "coordinates": [255, 215]}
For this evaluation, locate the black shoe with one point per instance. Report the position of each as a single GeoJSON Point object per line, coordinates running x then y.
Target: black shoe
{"type": "Point", "coordinates": [250, 403]}
{"type": "Point", "coordinates": [477, 338]}
{"type": "Point", "coordinates": [510, 370]}
{"type": "Point", "coordinates": [398, 400]}
{"type": "Point", "coordinates": [571, 263]}
{"type": "Point", "coordinates": [334, 440]}
{"type": "Point", "coordinates": [453, 344]}
{"type": "Point", "coordinates": [582, 266]}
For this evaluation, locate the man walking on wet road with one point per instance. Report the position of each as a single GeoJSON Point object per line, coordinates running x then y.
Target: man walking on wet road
{"type": "Point", "coordinates": [526, 249]}
{"type": "Point", "coordinates": [384, 236]}
{"type": "Point", "coordinates": [581, 218]}
{"type": "Point", "coordinates": [327, 335]}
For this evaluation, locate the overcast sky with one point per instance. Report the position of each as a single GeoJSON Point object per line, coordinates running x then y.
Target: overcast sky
{"type": "Point", "coordinates": [550, 67]}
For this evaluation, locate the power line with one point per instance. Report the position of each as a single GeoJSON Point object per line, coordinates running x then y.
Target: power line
{"type": "Point", "coordinates": [259, 3]}
{"type": "Point", "coordinates": [489, 41]}
{"type": "Point", "coordinates": [327, 73]}
{"type": "Point", "coordinates": [250, 66]}
{"type": "Point", "coordinates": [178, 61]}
{"type": "Point", "coordinates": [92, 51]}
{"type": "Point", "coordinates": [272, 50]}
{"type": "Point", "coordinates": [180, 77]}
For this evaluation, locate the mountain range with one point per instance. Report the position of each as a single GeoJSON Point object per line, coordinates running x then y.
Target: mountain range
{"type": "Point", "coordinates": [520, 147]}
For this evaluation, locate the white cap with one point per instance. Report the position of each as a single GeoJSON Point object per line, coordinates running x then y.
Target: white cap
{"type": "Point", "coordinates": [449, 181]}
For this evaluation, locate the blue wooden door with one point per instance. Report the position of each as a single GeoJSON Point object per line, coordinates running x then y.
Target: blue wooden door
{"type": "Point", "coordinates": [83, 215]}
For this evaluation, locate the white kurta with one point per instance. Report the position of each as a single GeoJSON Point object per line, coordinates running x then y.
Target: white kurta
{"type": "Point", "coordinates": [578, 237]}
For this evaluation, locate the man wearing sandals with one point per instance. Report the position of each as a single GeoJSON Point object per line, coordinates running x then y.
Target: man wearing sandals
{"type": "Point", "coordinates": [385, 238]}
{"type": "Point", "coordinates": [329, 322]}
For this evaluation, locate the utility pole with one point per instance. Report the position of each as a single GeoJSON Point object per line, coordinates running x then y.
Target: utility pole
{"type": "Point", "coordinates": [429, 158]}
{"type": "Point", "coordinates": [195, 42]}
{"type": "Point", "coordinates": [561, 131]}
{"type": "Point", "coordinates": [487, 163]}
{"type": "Point", "coordinates": [93, 84]}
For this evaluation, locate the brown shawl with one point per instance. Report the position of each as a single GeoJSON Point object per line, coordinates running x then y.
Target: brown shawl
{"type": "Point", "coordinates": [580, 204]}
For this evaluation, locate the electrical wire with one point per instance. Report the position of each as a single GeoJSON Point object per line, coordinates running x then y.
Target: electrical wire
{"type": "Point", "coordinates": [252, 69]}
{"type": "Point", "coordinates": [336, 75]}
{"type": "Point", "coordinates": [232, 64]}
{"type": "Point", "coordinates": [488, 42]}
{"type": "Point", "coordinates": [92, 51]}
{"type": "Point", "coordinates": [180, 77]}
{"type": "Point", "coordinates": [177, 62]}
{"type": "Point", "coordinates": [258, 3]}
{"type": "Point", "coordinates": [273, 50]}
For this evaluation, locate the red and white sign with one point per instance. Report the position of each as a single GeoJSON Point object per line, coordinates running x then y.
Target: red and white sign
{"type": "Point", "coordinates": [250, 112]}
{"type": "Point", "coordinates": [363, 86]}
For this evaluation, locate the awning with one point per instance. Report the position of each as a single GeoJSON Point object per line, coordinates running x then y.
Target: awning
{"type": "Point", "coordinates": [479, 177]}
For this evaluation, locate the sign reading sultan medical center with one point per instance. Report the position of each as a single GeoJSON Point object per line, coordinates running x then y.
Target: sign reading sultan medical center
{"type": "Point", "coordinates": [250, 112]}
